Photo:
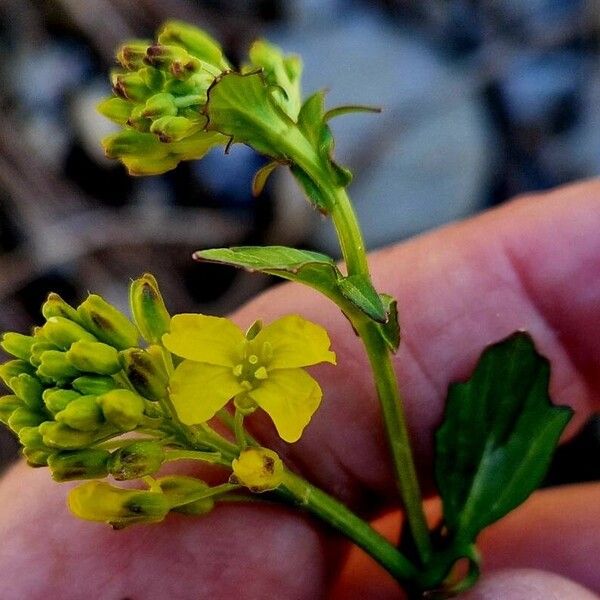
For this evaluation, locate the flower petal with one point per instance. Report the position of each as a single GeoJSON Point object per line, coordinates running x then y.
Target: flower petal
{"type": "Point", "coordinates": [198, 390]}
{"type": "Point", "coordinates": [212, 340]}
{"type": "Point", "coordinates": [296, 342]}
{"type": "Point", "coordinates": [290, 397]}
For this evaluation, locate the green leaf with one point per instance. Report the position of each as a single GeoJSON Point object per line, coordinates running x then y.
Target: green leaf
{"type": "Point", "coordinates": [390, 330]}
{"type": "Point", "coordinates": [261, 176]}
{"type": "Point", "coordinates": [352, 108]}
{"type": "Point", "coordinates": [310, 118]}
{"type": "Point", "coordinates": [360, 291]}
{"type": "Point", "coordinates": [310, 189]}
{"type": "Point", "coordinates": [498, 436]}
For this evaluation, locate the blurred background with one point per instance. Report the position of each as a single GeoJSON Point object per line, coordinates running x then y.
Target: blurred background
{"type": "Point", "coordinates": [481, 100]}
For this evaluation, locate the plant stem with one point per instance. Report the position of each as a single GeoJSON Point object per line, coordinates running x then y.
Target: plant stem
{"type": "Point", "coordinates": [338, 516]}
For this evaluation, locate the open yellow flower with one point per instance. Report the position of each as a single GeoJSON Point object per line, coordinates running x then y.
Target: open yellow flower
{"type": "Point", "coordinates": [266, 368]}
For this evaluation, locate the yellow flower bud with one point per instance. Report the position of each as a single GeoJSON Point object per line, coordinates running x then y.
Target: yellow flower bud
{"type": "Point", "coordinates": [99, 501]}
{"type": "Point", "coordinates": [94, 357]}
{"type": "Point", "coordinates": [130, 86]}
{"type": "Point", "coordinates": [23, 417]}
{"type": "Point", "coordinates": [17, 344]}
{"type": "Point", "coordinates": [59, 435]}
{"type": "Point", "coordinates": [55, 306]}
{"type": "Point", "coordinates": [79, 464]}
{"type": "Point", "coordinates": [29, 389]}
{"type": "Point", "coordinates": [123, 408]}
{"type": "Point", "coordinates": [136, 460]}
{"type": "Point", "coordinates": [185, 494]}
{"type": "Point", "coordinates": [131, 54]}
{"type": "Point", "coordinates": [174, 129]}
{"type": "Point", "coordinates": [94, 385]}
{"type": "Point", "coordinates": [115, 109]}
{"type": "Point", "coordinates": [145, 373]}
{"type": "Point", "coordinates": [8, 405]}
{"type": "Point", "coordinates": [160, 105]}
{"type": "Point", "coordinates": [37, 457]}
{"type": "Point", "coordinates": [259, 469]}
{"type": "Point", "coordinates": [38, 349]}
{"type": "Point", "coordinates": [57, 399]}
{"type": "Point", "coordinates": [148, 308]}
{"type": "Point", "coordinates": [64, 332]}
{"type": "Point", "coordinates": [55, 366]}
{"type": "Point", "coordinates": [13, 368]}
{"type": "Point", "coordinates": [82, 414]}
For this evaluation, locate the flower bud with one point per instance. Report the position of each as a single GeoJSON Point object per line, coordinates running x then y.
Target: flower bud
{"type": "Point", "coordinates": [115, 109]}
{"type": "Point", "coordinates": [23, 417]}
{"type": "Point", "coordinates": [29, 389]}
{"type": "Point", "coordinates": [185, 494]}
{"type": "Point", "coordinates": [195, 41]}
{"type": "Point", "coordinates": [17, 344]}
{"type": "Point", "coordinates": [122, 408]}
{"type": "Point", "coordinates": [148, 308]}
{"type": "Point", "coordinates": [13, 368]}
{"type": "Point", "coordinates": [259, 469]}
{"type": "Point", "coordinates": [130, 143]}
{"type": "Point", "coordinates": [94, 357]}
{"type": "Point", "coordinates": [79, 464]}
{"type": "Point", "coordinates": [94, 385]}
{"type": "Point", "coordinates": [55, 306]}
{"type": "Point", "coordinates": [107, 323]}
{"type": "Point", "coordinates": [38, 349]}
{"type": "Point", "coordinates": [37, 457]}
{"type": "Point", "coordinates": [174, 129]}
{"type": "Point", "coordinates": [30, 437]}
{"type": "Point", "coordinates": [59, 435]}
{"type": "Point", "coordinates": [136, 460]}
{"type": "Point", "coordinates": [57, 399]}
{"type": "Point", "coordinates": [8, 405]}
{"type": "Point", "coordinates": [131, 55]}
{"type": "Point", "coordinates": [64, 332]}
{"type": "Point", "coordinates": [99, 501]}
{"type": "Point", "coordinates": [130, 86]}
{"type": "Point", "coordinates": [145, 373]}
{"type": "Point", "coordinates": [160, 105]}
{"type": "Point", "coordinates": [82, 414]}
{"type": "Point", "coordinates": [55, 366]}
{"type": "Point", "coordinates": [177, 60]}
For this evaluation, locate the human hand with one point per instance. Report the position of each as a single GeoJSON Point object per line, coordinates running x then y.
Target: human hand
{"type": "Point", "coordinates": [532, 264]}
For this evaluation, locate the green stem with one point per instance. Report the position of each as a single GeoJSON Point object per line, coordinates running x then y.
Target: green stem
{"type": "Point", "coordinates": [338, 516]}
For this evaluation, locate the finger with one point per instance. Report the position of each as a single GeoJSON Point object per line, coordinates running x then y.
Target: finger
{"type": "Point", "coordinates": [533, 264]}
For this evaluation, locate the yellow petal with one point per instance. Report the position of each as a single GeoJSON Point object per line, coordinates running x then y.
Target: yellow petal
{"type": "Point", "coordinates": [290, 397]}
{"type": "Point", "coordinates": [212, 340]}
{"type": "Point", "coordinates": [198, 390]}
{"type": "Point", "coordinates": [295, 342]}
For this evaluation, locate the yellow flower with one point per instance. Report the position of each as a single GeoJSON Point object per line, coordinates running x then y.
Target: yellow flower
{"type": "Point", "coordinates": [259, 469]}
{"type": "Point", "coordinates": [264, 370]}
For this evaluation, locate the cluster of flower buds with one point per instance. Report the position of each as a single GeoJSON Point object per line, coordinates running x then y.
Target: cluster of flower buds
{"type": "Point", "coordinates": [160, 92]}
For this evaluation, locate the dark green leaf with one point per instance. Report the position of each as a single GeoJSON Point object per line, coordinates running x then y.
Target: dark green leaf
{"type": "Point", "coordinates": [360, 291]}
{"type": "Point", "coordinates": [261, 176]}
{"type": "Point", "coordinates": [498, 436]}
{"type": "Point", "coordinates": [310, 118]}
{"type": "Point", "coordinates": [390, 330]}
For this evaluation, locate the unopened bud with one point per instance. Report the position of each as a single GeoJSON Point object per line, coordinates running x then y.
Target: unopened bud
{"type": "Point", "coordinates": [29, 389]}
{"type": "Point", "coordinates": [185, 494]}
{"type": "Point", "coordinates": [55, 306]}
{"type": "Point", "coordinates": [82, 414]}
{"type": "Point", "coordinates": [176, 59]}
{"type": "Point", "coordinates": [160, 105]}
{"type": "Point", "coordinates": [123, 408]}
{"type": "Point", "coordinates": [148, 308]}
{"type": "Point", "coordinates": [130, 86]}
{"type": "Point", "coordinates": [57, 399]}
{"type": "Point", "coordinates": [79, 464]}
{"type": "Point", "coordinates": [109, 324]}
{"type": "Point", "coordinates": [94, 357]}
{"type": "Point", "coordinates": [259, 469]}
{"type": "Point", "coordinates": [174, 129]}
{"type": "Point", "coordinates": [130, 143]}
{"type": "Point", "coordinates": [59, 435]}
{"type": "Point", "coordinates": [17, 344]}
{"type": "Point", "coordinates": [55, 366]}
{"type": "Point", "coordinates": [99, 501]}
{"type": "Point", "coordinates": [64, 332]}
{"type": "Point", "coordinates": [115, 109]}
{"type": "Point", "coordinates": [131, 55]}
{"type": "Point", "coordinates": [94, 385]}
{"type": "Point", "coordinates": [145, 373]}
{"type": "Point", "coordinates": [23, 417]}
{"type": "Point", "coordinates": [13, 368]}
{"type": "Point", "coordinates": [8, 405]}
{"type": "Point", "coordinates": [38, 349]}
{"type": "Point", "coordinates": [136, 460]}
{"type": "Point", "coordinates": [37, 457]}
{"type": "Point", "coordinates": [196, 42]}
{"type": "Point", "coordinates": [30, 437]}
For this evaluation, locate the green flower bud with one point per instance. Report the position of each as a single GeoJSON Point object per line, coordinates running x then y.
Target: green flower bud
{"type": "Point", "coordinates": [107, 323]}
{"type": "Point", "coordinates": [13, 368]}
{"type": "Point", "coordinates": [55, 306]}
{"type": "Point", "coordinates": [30, 437]}
{"type": "Point", "coordinates": [123, 408]}
{"type": "Point", "coordinates": [79, 464]}
{"type": "Point", "coordinates": [136, 460]}
{"type": "Point", "coordinates": [130, 86]}
{"type": "Point", "coordinates": [197, 42]}
{"type": "Point", "coordinates": [82, 414]}
{"type": "Point", "coordinates": [94, 357]}
{"type": "Point", "coordinates": [148, 308]}
{"type": "Point", "coordinates": [115, 109]}
{"type": "Point", "coordinates": [54, 365]}
{"type": "Point", "coordinates": [131, 54]}
{"type": "Point", "coordinates": [138, 120]}
{"type": "Point", "coordinates": [145, 373]}
{"type": "Point", "coordinates": [29, 389]}
{"type": "Point", "coordinates": [160, 105]}
{"type": "Point", "coordinates": [59, 435]}
{"type": "Point", "coordinates": [8, 405]}
{"type": "Point", "coordinates": [177, 60]}
{"type": "Point", "coordinates": [57, 399]}
{"type": "Point", "coordinates": [64, 332]}
{"type": "Point", "coordinates": [99, 501]}
{"type": "Point", "coordinates": [94, 385]}
{"type": "Point", "coordinates": [38, 349]}
{"type": "Point", "coordinates": [195, 86]}
{"type": "Point", "coordinates": [259, 469]}
{"type": "Point", "coordinates": [37, 457]}
{"type": "Point", "coordinates": [174, 129]}
{"type": "Point", "coordinates": [23, 417]}
{"type": "Point", "coordinates": [17, 344]}
{"type": "Point", "coordinates": [185, 494]}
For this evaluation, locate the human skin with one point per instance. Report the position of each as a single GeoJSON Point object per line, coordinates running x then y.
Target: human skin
{"type": "Point", "coordinates": [531, 264]}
